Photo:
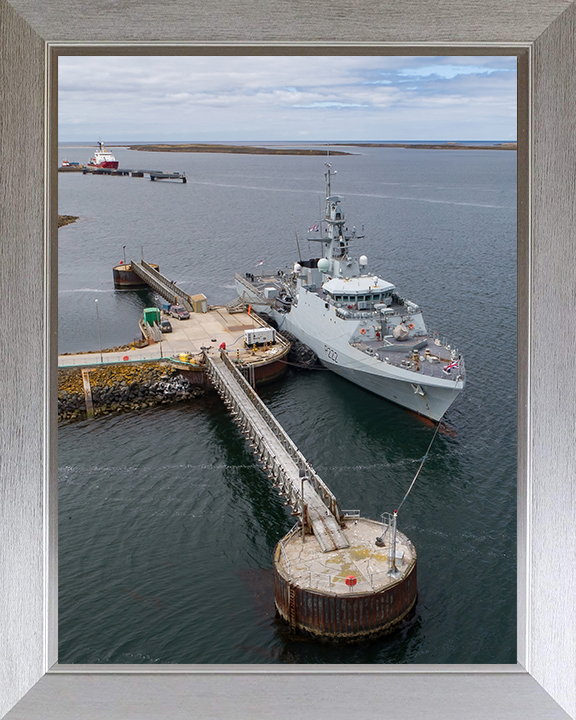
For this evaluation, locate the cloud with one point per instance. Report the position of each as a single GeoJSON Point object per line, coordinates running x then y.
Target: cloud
{"type": "Point", "coordinates": [272, 98]}
{"type": "Point", "coordinates": [450, 71]}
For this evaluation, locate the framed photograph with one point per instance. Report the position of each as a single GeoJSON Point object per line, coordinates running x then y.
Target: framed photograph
{"type": "Point", "coordinates": [196, 516]}
{"type": "Point", "coordinates": [541, 684]}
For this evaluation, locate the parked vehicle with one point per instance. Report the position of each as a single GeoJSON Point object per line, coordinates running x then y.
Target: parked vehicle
{"type": "Point", "coordinates": [179, 312]}
{"type": "Point", "coordinates": [165, 326]}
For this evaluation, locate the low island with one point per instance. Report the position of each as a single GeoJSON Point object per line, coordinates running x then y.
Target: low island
{"type": "Point", "coordinates": [235, 149]}
{"type": "Point", "coordinates": [434, 146]}
{"type": "Point", "coordinates": [271, 150]}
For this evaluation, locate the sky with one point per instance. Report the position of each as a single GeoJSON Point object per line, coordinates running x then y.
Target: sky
{"type": "Point", "coordinates": [297, 98]}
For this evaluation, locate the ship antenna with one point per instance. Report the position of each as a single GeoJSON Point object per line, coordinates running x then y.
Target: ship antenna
{"type": "Point", "coordinates": [327, 176]}
{"type": "Point", "coordinates": [297, 243]}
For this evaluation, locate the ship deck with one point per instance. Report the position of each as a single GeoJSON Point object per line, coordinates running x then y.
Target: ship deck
{"type": "Point", "coordinates": [397, 354]}
{"type": "Point", "coordinates": [394, 352]}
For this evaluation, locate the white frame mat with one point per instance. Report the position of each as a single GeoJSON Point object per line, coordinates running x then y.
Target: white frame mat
{"type": "Point", "coordinates": [542, 686]}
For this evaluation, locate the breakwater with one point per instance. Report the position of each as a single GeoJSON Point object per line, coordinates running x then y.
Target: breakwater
{"type": "Point", "coordinates": [122, 388]}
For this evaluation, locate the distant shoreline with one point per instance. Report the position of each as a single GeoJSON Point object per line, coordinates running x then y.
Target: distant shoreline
{"type": "Point", "coordinates": [255, 150]}
{"type": "Point", "coordinates": [234, 149]}
{"type": "Point", "coordinates": [436, 146]}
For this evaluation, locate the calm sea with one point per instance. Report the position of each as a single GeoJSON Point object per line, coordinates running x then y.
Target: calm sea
{"type": "Point", "coordinates": [167, 524]}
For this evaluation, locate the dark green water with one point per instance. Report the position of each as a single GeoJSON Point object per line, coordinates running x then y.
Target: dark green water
{"type": "Point", "coordinates": [167, 524]}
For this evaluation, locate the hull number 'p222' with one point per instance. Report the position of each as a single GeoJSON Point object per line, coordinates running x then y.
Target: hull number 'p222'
{"type": "Point", "coordinates": [331, 354]}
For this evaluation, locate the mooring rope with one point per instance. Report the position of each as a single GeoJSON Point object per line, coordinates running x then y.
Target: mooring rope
{"type": "Point", "coordinates": [421, 465]}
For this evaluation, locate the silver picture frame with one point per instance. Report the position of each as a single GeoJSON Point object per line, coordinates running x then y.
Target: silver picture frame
{"type": "Point", "coordinates": [543, 683]}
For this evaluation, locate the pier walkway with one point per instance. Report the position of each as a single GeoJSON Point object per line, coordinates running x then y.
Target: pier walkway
{"type": "Point", "coordinates": [125, 172]}
{"type": "Point", "coordinates": [164, 287]}
{"type": "Point", "coordinates": [305, 492]}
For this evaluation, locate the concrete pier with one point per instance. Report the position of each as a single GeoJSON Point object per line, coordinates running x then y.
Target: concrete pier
{"type": "Point", "coordinates": [188, 339]}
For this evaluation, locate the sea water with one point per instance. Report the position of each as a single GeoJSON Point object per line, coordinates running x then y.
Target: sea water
{"type": "Point", "coordinates": [167, 524]}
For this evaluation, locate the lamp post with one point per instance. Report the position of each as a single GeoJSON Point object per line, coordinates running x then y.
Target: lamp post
{"type": "Point", "coordinates": [98, 323]}
{"type": "Point", "coordinates": [302, 478]}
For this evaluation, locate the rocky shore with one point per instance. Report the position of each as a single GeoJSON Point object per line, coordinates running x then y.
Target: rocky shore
{"type": "Point", "coordinates": [122, 388]}
{"type": "Point", "coordinates": [66, 220]}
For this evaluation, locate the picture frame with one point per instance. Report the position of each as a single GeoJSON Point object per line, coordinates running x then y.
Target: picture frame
{"type": "Point", "coordinates": [543, 684]}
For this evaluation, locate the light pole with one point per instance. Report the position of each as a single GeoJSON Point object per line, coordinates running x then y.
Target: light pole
{"type": "Point", "coordinates": [302, 478]}
{"type": "Point", "coordinates": [98, 323]}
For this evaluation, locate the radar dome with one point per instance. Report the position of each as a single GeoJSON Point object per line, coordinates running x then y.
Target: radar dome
{"type": "Point", "coordinates": [363, 260]}
{"type": "Point", "coordinates": [400, 332]}
{"type": "Point", "coordinates": [324, 265]}
{"type": "Point", "coordinates": [297, 267]}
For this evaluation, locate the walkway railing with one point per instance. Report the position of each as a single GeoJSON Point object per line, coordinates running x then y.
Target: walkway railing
{"type": "Point", "coordinates": [289, 470]}
{"type": "Point", "coordinates": [164, 287]}
{"type": "Point", "coordinates": [317, 483]}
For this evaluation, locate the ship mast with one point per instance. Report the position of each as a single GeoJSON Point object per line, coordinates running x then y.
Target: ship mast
{"type": "Point", "coordinates": [333, 231]}
{"type": "Point", "coordinates": [334, 219]}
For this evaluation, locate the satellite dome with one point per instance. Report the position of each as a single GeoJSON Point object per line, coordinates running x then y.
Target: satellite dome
{"type": "Point", "coordinates": [363, 260]}
{"type": "Point", "coordinates": [400, 332]}
{"type": "Point", "coordinates": [297, 267]}
{"type": "Point", "coordinates": [324, 265]}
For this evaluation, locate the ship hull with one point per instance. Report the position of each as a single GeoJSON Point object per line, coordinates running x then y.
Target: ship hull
{"type": "Point", "coordinates": [427, 396]}
{"type": "Point", "coordinates": [108, 164]}
{"type": "Point", "coordinates": [419, 394]}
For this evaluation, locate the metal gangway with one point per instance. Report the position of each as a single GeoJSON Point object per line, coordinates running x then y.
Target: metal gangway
{"type": "Point", "coordinates": [164, 287]}
{"type": "Point", "coordinates": [289, 470]}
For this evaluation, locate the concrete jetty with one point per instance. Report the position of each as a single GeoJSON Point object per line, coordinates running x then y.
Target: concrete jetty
{"type": "Point", "coordinates": [190, 338]}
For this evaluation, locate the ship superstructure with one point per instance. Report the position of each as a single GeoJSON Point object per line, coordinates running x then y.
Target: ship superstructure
{"type": "Point", "coordinates": [356, 322]}
{"type": "Point", "coordinates": [103, 158]}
